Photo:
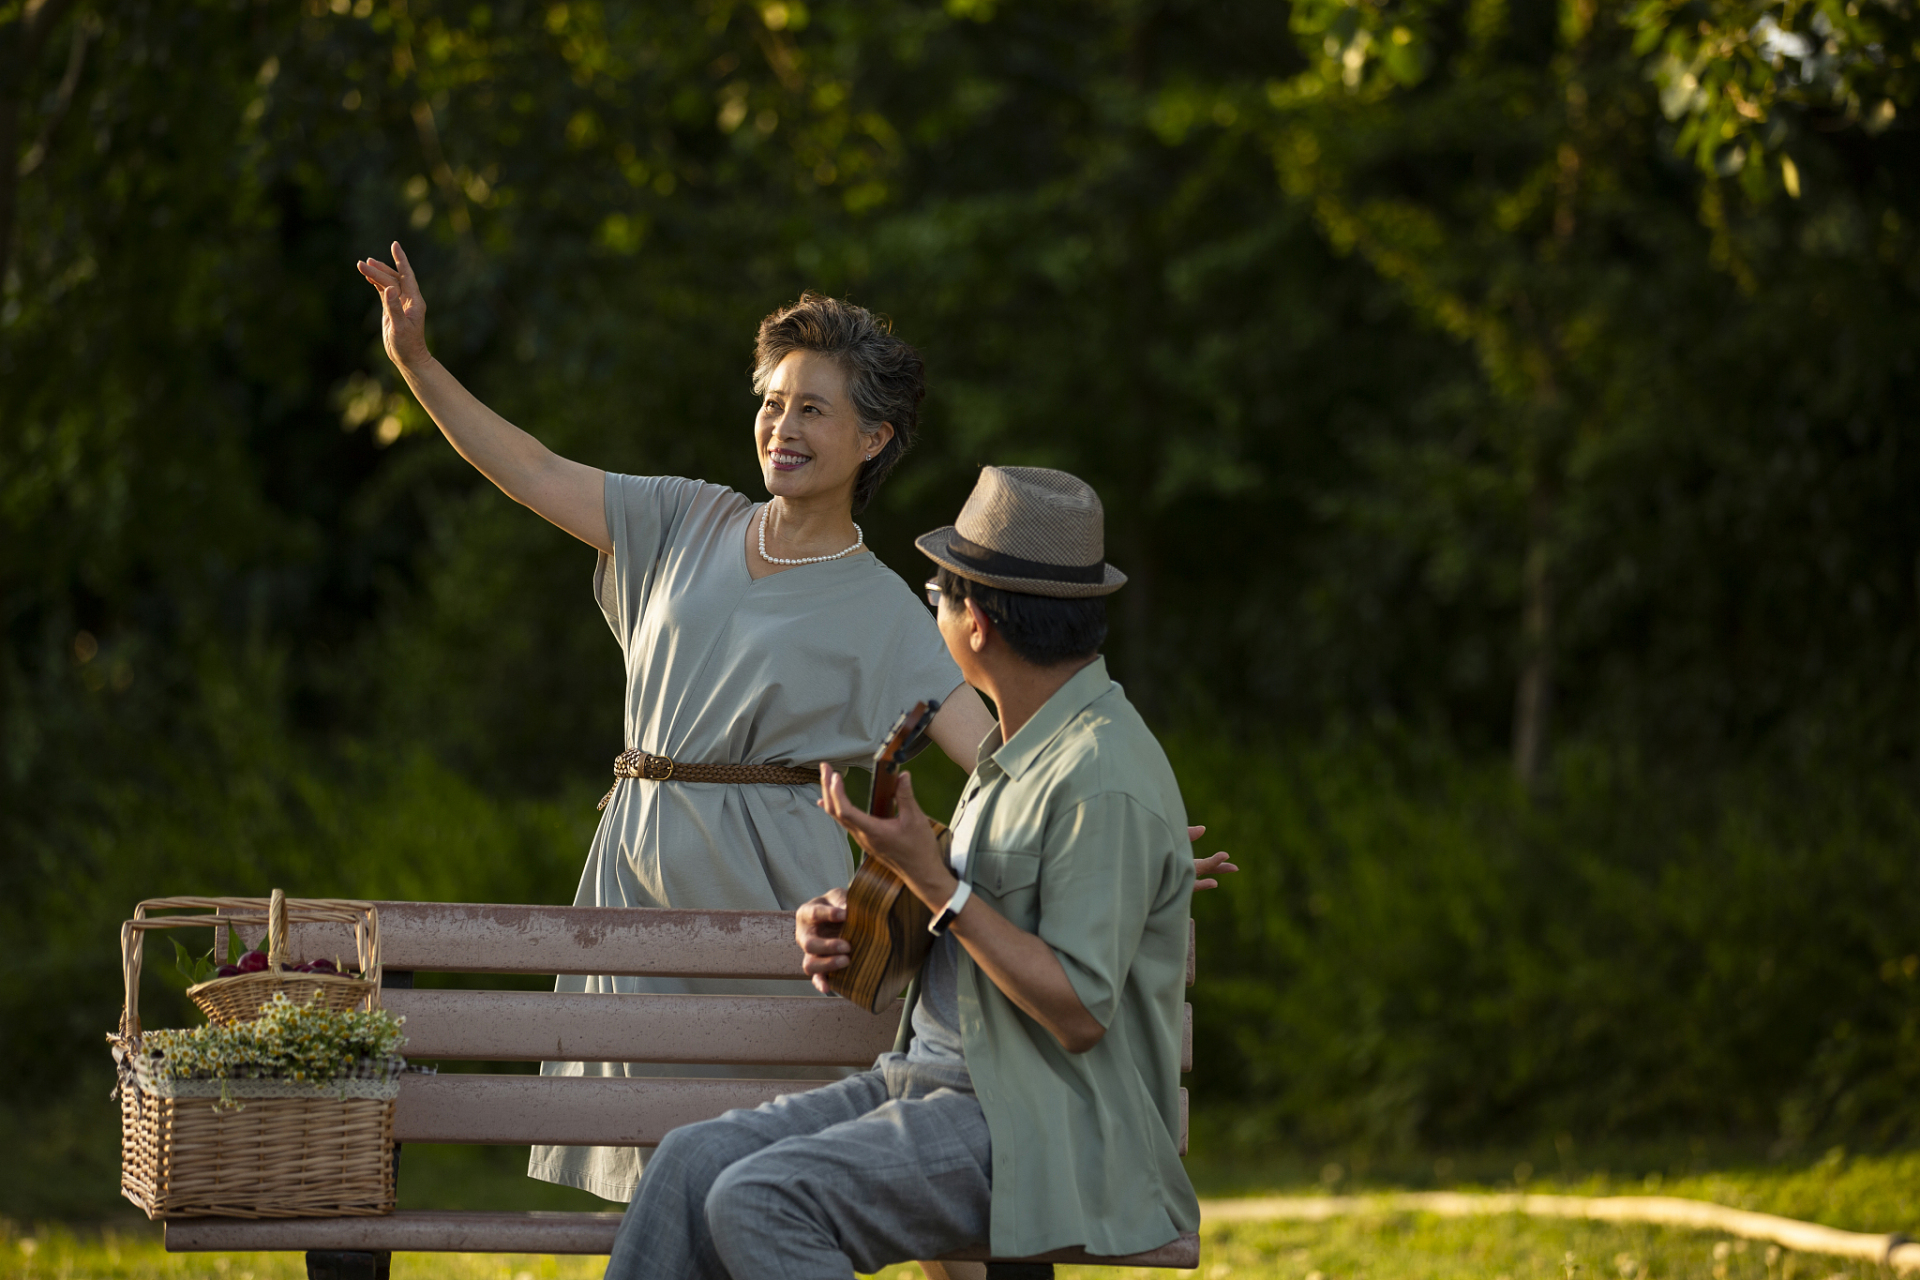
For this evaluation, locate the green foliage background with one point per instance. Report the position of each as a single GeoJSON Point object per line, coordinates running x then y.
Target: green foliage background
{"type": "Point", "coordinates": [1517, 488]}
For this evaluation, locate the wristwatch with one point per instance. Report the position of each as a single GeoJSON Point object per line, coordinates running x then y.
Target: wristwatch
{"type": "Point", "coordinates": [950, 912]}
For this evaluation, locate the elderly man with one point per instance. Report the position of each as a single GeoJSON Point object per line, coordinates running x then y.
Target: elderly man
{"type": "Point", "coordinates": [1037, 1103]}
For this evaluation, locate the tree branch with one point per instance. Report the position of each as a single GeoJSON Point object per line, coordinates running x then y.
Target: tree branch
{"type": "Point", "coordinates": [83, 31]}
{"type": "Point", "coordinates": [41, 17]}
{"type": "Point", "coordinates": [20, 44]}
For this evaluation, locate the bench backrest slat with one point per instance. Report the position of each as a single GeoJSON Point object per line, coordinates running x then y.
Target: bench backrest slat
{"type": "Point", "coordinates": [620, 1111]}
{"type": "Point", "coordinates": [532, 1026]}
{"type": "Point", "coordinates": [614, 1111]}
{"type": "Point", "coordinates": [469, 937]}
{"type": "Point", "coordinates": [535, 1026]}
{"type": "Point", "coordinates": [479, 937]}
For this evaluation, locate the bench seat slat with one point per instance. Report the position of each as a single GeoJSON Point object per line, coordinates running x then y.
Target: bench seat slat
{"type": "Point", "coordinates": [409, 1231]}
{"type": "Point", "coordinates": [440, 1232]}
{"type": "Point", "coordinates": [611, 1111]}
{"type": "Point", "coordinates": [532, 1026]}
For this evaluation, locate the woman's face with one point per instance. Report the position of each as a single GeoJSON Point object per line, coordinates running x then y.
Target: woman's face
{"type": "Point", "coordinates": [807, 432]}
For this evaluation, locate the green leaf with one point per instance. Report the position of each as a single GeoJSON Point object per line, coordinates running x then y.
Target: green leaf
{"type": "Point", "coordinates": [195, 969]}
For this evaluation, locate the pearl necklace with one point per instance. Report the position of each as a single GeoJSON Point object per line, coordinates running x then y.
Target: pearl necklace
{"type": "Point", "coordinates": [859, 541]}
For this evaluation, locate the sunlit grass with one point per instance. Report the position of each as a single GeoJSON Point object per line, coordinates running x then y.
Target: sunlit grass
{"type": "Point", "coordinates": [1878, 1193]}
{"type": "Point", "coordinates": [1875, 1193]}
{"type": "Point", "coordinates": [1398, 1247]}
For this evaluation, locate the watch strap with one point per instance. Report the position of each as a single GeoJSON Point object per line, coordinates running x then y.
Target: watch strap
{"type": "Point", "coordinates": [948, 913]}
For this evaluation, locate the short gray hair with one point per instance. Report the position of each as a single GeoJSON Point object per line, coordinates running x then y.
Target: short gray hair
{"type": "Point", "coordinates": [885, 376]}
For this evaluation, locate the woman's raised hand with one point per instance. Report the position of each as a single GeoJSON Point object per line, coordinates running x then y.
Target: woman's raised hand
{"type": "Point", "coordinates": [567, 493]}
{"type": "Point", "coordinates": [403, 322]}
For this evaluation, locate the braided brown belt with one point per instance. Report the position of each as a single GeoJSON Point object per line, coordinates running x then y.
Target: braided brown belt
{"type": "Point", "coordinates": [636, 763]}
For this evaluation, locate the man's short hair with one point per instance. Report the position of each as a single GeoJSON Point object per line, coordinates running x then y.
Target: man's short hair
{"type": "Point", "coordinates": [885, 376]}
{"type": "Point", "coordinates": [1041, 630]}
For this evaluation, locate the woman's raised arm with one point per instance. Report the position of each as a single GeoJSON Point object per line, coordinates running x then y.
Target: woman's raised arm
{"type": "Point", "coordinates": [570, 494]}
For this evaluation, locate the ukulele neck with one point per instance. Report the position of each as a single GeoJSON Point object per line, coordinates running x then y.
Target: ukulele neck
{"type": "Point", "coordinates": [886, 781]}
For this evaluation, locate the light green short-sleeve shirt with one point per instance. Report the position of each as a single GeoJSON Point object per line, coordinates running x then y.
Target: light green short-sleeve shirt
{"type": "Point", "coordinates": [1082, 840]}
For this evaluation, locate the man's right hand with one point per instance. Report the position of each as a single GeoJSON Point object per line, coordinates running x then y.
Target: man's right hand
{"type": "Point", "coordinates": [816, 927]}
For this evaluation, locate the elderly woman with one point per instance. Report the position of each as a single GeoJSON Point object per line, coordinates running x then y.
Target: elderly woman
{"type": "Point", "coordinates": [760, 639]}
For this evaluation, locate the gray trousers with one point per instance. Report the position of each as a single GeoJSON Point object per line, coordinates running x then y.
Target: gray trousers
{"type": "Point", "coordinates": [883, 1167]}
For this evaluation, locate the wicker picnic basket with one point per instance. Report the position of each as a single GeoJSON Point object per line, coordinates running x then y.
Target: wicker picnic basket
{"type": "Point", "coordinates": [253, 1148]}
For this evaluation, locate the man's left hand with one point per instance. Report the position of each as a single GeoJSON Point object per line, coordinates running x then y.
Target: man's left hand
{"type": "Point", "coordinates": [816, 927]}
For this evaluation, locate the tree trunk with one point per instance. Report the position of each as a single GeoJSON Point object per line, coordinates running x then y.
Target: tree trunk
{"type": "Point", "coordinates": [1136, 616]}
{"type": "Point", "coordinates": [1533, 696]}
{"type": "Point", "coordinates": [12, 88]}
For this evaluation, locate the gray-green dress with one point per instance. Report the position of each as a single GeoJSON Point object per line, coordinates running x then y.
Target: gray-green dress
{"type": "Point", "coordinates": [814, 663]}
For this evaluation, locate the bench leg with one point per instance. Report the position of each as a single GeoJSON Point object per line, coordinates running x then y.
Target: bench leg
{"type": "Point", "coordinates": [954, 1270]}
{"type": "Point", "coordinates": [1019, 1271]}
{"type": "Point", "coordinates": [330, 1265]}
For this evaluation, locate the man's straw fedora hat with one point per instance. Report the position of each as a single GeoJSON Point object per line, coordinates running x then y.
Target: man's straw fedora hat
{"type": "Point", "coordinates": [1029, 529]}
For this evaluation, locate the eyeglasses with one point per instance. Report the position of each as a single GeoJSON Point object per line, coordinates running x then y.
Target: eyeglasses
{"type": "Point", "coordinates": [934, 594]}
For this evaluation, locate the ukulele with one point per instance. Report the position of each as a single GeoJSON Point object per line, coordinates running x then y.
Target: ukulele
{"type": "Point", "coordinates": [886, 924]}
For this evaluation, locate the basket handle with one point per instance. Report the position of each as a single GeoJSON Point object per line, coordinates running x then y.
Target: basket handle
{"type": "Point", "coordinates": [362, 915]}
{"type": "Point", "coordinates": [277, 929]}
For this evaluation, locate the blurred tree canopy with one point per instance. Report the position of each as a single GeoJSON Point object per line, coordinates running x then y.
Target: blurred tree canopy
{"type": "Point", "coordinates": [1512, 378]}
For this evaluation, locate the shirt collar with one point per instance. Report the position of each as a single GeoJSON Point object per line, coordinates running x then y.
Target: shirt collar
{"type": "Point", "coordinates": [1069, 700]}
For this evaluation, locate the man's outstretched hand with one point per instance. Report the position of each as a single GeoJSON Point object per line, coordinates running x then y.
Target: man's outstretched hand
{"type": "Point", "coordinates": [816, 927]}
{"type": "Point", "coordinates": [1204, 869]}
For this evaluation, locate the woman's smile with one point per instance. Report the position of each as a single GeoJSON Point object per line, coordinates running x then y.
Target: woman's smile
{"type": "Point", "coordinates": [808, 432]}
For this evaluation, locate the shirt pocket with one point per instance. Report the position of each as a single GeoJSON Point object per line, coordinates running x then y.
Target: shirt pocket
{"type": "Point", "coordinates": [1012, 879]}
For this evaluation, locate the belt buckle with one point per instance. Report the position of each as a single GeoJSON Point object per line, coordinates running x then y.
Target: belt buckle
{"type": "Point", "coordinates": [647, 768]}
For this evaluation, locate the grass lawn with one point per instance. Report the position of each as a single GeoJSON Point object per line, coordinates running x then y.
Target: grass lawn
{"type": "Point", "coordinates": [1385, 1248]}
{"type": "Point", "coordinates": [1871, 1193]}
{"type": "Point", "coordinates": [1862, 1193]}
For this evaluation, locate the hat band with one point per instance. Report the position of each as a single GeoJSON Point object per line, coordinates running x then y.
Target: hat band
{"type": "Point", "coordinates": [1001, 565]}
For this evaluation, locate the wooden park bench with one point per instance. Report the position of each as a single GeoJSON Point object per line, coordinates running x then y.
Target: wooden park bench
{"type": "Point", "coordinates": [803, 1029]}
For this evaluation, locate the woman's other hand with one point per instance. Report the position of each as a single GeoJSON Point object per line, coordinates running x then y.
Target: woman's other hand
{"type": "Point", "coordinates": [1204, 869]}
{"type": "Point", "coordinates": [403, 320]}
{"type": "Point", "coordinates": [816, 927]}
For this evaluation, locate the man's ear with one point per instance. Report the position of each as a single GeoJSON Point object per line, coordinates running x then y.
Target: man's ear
{"type": "Point", "coordinates": [980, 626]}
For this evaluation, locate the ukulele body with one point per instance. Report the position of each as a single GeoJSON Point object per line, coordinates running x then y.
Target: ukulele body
{"type": "Point", "coordinates": [887, 927]}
